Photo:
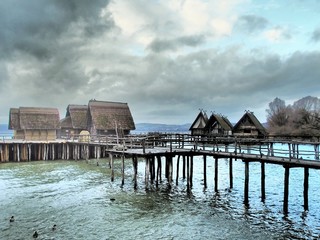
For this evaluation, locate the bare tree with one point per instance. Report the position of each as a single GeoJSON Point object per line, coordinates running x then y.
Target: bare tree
{"type": "Point", "coordinates": [277, 114]}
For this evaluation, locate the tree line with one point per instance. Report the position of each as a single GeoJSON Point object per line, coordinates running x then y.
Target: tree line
{"type": "Point", "coordinates": [302, 118]}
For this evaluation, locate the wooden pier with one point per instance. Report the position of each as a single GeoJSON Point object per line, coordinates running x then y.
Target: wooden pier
{"type": "Point", "coordinates": [154, 148]}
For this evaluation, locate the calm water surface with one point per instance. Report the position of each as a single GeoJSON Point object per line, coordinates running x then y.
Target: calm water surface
{"type": "Point", "coordinates": [80, 198]}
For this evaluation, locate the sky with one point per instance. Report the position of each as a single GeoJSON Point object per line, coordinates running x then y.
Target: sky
{"type": "Point", "coordinates": [166, 58]}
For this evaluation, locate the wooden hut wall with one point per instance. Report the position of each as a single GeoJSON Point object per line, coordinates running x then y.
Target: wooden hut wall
{"type": "Point", "coordinates": [40, 135]}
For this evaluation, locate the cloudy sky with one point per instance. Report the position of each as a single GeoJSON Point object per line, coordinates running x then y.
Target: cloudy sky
{"type": "Point", "coordinates": [166, 58]}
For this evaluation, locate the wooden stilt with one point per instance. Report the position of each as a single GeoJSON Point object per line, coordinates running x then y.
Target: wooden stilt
{"type": "Point", "coordinates": [112, 167]}
{"type": "Point", "coordinates": [188, 174]}
{"type": "Point", "coordinates": [263, 186]}
{"type": "Point", "coordinates": [160, 168]}
{"type": "Point", "coordinates": [216, 174]}
{"type": "Point", "coordinates": [205, 171]}
{"type": "Point", "coordinates": [135, 170]}
{"type": "Point", "coordinates": [191, 171]}
{"type": "Point", "coordinates": [231, 173]}
{"type": "Point", "coordinates": [184, 167]}
{"type": "Point", "coordinates": [122, 169]}
{"type": "Point", "coordinates": [177, 171]}
{"type": "Point", "coordinates": [246, 184]}
{"type": "Point", "coordinates": [286, 189]}
{"type": "Point", "coordinates": [305, 189]}
{"type": "Point", "coordinates": [147, 173]}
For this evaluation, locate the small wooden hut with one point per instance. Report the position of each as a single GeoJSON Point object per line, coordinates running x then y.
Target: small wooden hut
{"type": "Point", "coordinates": [31, 123]}
{"type": "Point", "coordinates": [218, 125]}
{"type": "Point", "coordinates": [198, 126]}
{"type": "Point", "coordinates": [249, 126]}
{"type": "Point", "coordinates": [75, 120]}
{"type": "Point", "coordinates": [109, 118]}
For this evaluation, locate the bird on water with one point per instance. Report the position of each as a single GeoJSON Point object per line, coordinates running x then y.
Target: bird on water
{"type": "Point", "coordinates": [12, 219]}
{"type": "Point", "coordinates": [54, 227]}
{"type": "Point", "coordinates": [35, 234]}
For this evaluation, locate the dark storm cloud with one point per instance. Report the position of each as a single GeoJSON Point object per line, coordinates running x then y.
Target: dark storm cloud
{"type": "Point", "coordinates": [35, 27]}
{"type": "Point", "coordinates": [42, 42]}
{"type": "Point", "coordinates": [226, 82]}
{"type": "Point", "coordinates": [316, 35]}
{"type": "Point", "coordinates": [251, 23]}
{"type": "Point", "coordinates": [160, 45]}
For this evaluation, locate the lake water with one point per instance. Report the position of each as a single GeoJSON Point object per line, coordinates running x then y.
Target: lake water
{"type": "Point", "coordinates": [79, 197]}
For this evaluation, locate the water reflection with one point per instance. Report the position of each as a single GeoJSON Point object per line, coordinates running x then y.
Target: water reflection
{"type": "Point", "coordinates": [80, 198]}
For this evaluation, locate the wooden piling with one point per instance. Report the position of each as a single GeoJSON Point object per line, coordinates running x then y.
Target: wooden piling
{"type": "Point", "coordinates": [231, 173]}
{"type": "Point", "coordinates": [286, 189]}
{"type": "Point", "coordinates": [191, 171]}
{"type": "Point", "coordinates": [263, 186]}
{"type": "Point", "coordinates": [122, 169]}
{"type": "Point", "coordinates": [205, 171]}
{"type": "Point", "coordinates": [188, 174]}
{"type": "Point", "coordinates": [305, 189]}
{"type": "Point", "coordinates": [184, 167]}
{"type": "Point", "coordinates": [216, 174]}
{"type": "Point", "coordinates": [146, 177]}
{"type": "Point", "coordinates": [177, 170]}
{"type": "Point", "coordinates": [246, 183]}
{"type": "Point", "coordinates": [112, 167]}
{"type": "Point", "coordinates": [159, 171]}
{"type": "Point", "coordinates": [135, 170]}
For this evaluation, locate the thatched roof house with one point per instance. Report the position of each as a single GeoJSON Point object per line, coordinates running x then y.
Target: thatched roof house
{"type": "Point", "coordinates": [32, 123]}
{"type": "Point", "coordinates": [249, 126]}
{"type": "Point", "coordinates": [75, 120]}
{"type": "Point", "coordinates": [109, 118]}
{"type": "Point", "coordinates": [218, 125]}
{"type": "Point", "coordinates": [198, 126]}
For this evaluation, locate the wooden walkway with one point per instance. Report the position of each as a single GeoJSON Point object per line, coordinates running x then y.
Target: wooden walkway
{"type": "Point", "coordinates": [293, 158]}
{"type": "Point", "coordinates": [155, 148]}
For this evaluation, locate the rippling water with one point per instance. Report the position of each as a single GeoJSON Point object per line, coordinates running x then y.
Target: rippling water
{"type": "Point", "coordinates": [79, 197]}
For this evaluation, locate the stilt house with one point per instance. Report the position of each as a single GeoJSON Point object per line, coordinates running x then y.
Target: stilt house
{"type": "Point", "coordinates": [249, 126]}
{"type": "Point", "coordinates": [75, 120]}
{"type": "Point", "coordinates": [37, 124]}
{"type": "Point", "coordinates": [109, 118]}
{"type": "Point", "coordinates": [218, 125]}
{"type": "Point", "coordinates": [199, 124]}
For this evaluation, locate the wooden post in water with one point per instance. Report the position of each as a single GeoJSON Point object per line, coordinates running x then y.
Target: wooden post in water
{"type": "Point", "coordinates": [191, 171]}
{"type": "Point", "coordinates": [135, 170]}
{"type": "Point", "coordinates": [146, 175]}
{"type": "Point", "coordinates": [205, 171]}
{"type": "Point", "coordinates": [246, 183]}
{"type": "Point", "coordinates": [170, 170]}
{"type": "Point", "coordinates": [112, 169]}
{"type": "Point", "coordinates": [184, 167]}
{"type": "Point", "coordinates": [263, 185]}
{"type": "Point", "coordinates": [152, 168]}
{"type": "Point", "coordinates": [305, 189]}
{"type": "Point", "coordinates": [188, 175]}
{"type": "Point", "coordinates": [286, 189]}
{"type": "Point", "coordinates": [177, 172]}
{"type": "Point", "coordinates": [122, 169]}
{"type": "Point", "coordinates": [159, 171]}
{"type": "Point", "coordinates": [231, 173]}
{"type": "Point", "coordinates": [216, 174]}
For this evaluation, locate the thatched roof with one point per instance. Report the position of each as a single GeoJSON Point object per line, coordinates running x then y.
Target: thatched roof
{"type": "Point", "coordinates": [76, 117]}
{"type": "Point", "coordinates": [221, 120]}
{"type": "Point", "coordinates": [110, 115]}
{"type": "Point", "coordinates": [200, 121]}
{"type": "Point", "coordinates": [31, 118]}
{"type": "Point", "coordinates": [253, 121]}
